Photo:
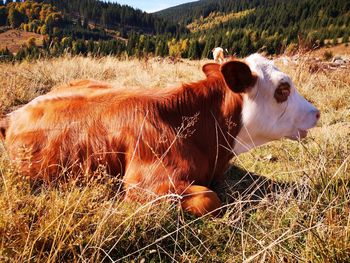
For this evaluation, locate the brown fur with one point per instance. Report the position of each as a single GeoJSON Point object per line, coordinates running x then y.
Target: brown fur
{"type": "Point", "coordinates": [172, 140]}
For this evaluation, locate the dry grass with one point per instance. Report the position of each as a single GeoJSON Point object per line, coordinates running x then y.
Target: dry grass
{"type": "Point", "coordinates": [342, 50]}
{"type": "Point", "coordinates": [23, 82]}
{"type": "Point", "coordinates": [286, 201]}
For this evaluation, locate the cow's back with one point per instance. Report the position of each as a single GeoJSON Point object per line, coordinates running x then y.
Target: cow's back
{"type": "Point", "coordinates": [66, 130]}
{"type": "Point", "coordinates": [82, 127]}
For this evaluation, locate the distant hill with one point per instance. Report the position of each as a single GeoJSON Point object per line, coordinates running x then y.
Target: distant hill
{"type": "Point", "coordinates": [263, 25]}
{"type": "Point", "coordinates": [82, 27]}
{"type": "Point", "coordinates": [192, 30]}
{"type": "Point", "coordinates": [76, 17]}
{"type": "Point", "coordinates": [293, 10]}
{"type": "Point", "coordinates": [187, 13]}
{"type": "Point", "coordinates": [114, 16]}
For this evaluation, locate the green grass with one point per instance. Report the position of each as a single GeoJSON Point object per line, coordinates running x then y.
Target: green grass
{"type": "Point", "coordinates": [283, 202]}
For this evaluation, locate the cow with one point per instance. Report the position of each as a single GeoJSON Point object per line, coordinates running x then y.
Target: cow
{"type": "Point", "coordinates": [176, 141]}
{"type": "Point", "coordinates": [218, 54]}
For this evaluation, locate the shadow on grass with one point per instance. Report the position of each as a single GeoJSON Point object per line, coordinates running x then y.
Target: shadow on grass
{"type": "Point", "coordinates": [239, 184]}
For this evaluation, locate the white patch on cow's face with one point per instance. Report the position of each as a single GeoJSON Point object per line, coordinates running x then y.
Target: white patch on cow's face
{"type": "Point", "coordinates": [265, 118]}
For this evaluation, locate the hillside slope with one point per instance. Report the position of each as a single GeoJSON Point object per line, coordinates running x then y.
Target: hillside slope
{"type": "Point", "coordinates": [14, 39]}
{"type": "Point", "coordinates": [86, 27]}
{"type": "Point", "coordinates": [114, 16]}
{"type": "Point", "coordinates": [243, 27]}
{"type": "Point", "coordinates": [268, 25]}
{"type": "Point", "coordinates": [188, 12]}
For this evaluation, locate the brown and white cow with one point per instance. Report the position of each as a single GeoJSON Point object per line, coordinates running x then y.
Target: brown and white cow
{"type": "Point", "coordinates": [175, 140]}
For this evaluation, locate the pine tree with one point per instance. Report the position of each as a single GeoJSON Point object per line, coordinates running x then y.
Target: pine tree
{"type": "Point", "coordinates": [15, 18]}
{"type": "Point", "coordinates": [345, 38]}
{"type": "Point", "coordinates": [3, 15]}
{"type": "Point", "coordinates": [194, 51]}
{"type": "Point", "coordinates": [209, 45]}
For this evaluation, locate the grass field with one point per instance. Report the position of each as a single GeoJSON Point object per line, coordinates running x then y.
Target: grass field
{"type": "Point", "coordinates": [284, 202]}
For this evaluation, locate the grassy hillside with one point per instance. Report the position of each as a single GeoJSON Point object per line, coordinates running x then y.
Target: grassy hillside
{"type": "Point", "coordinates": [14, 39]}
{"type": "Point", "coordinates": [284, 202]}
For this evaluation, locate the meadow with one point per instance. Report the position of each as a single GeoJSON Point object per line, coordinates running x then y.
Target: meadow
{"type": "Point", "coordinates": [284, 202]}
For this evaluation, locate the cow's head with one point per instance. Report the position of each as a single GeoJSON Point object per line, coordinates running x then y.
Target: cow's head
{"type": "Point", "coordinates": [272, 107]}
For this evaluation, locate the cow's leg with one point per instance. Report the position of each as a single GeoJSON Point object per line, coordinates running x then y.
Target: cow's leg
{"type": "Point", "coordinates": [200, 200]}
{"type": "Point", "coordinates": [143, 182]}
{"type": "Point", "coordinates": [197, 200]}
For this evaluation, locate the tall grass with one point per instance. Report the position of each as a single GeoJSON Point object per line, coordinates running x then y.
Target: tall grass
{"type": "Point", "coordinates": [283, 202]}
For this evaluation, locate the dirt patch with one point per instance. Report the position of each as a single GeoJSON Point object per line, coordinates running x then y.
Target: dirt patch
{"type": "Point", "coordinates": [339, 50]}
{"type": "Point", "coordinates": [14, 39]}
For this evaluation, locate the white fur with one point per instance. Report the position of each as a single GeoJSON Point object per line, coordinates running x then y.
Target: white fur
{"type": "Point", "coordinates": [218, 54]}
{"type": "Point", "coordinates": [263, 118]}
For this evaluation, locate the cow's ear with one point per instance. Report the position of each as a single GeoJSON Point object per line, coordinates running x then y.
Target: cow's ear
{"type": "Point", "coordinates": [238, 76]}
{"type": "Point", "coordinates": [211, 69]}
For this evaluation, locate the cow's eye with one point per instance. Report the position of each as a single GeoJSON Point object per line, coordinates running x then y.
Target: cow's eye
{"type": "Point", "coordinates": [282, 92]}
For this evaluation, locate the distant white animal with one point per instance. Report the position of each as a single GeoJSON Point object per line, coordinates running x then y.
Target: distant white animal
{"type": "Point", "coordinates": [218, 54]}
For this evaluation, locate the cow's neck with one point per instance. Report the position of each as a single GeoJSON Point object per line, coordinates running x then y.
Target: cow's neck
{"type": "Point", "coordinates": [228, 125]}
{"type": "Point", "coordinates": [246, 141]}
{"type": "Point", "coordinates": [231, 111]}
